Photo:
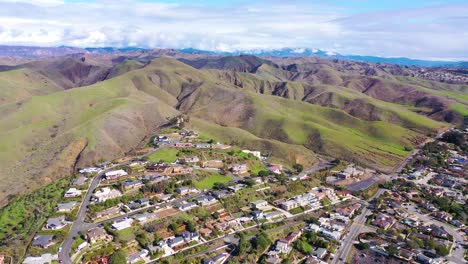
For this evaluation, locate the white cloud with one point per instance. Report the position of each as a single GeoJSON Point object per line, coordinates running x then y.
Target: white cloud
{"type": "Point", "coordinates": [419, 33]}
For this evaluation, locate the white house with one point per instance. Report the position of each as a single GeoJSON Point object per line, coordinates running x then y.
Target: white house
{"type": "Point", "coordinates": [259, 204]}
{"type": "Point", "coordinates": [106, 193]}
{"type": "Point", "coordinates": [72, 192]}
{"type": "Point", "coordinates": [254, 153]}
{"type": "Point", "coordinates": [120, 225]}
{"type": "Point", "coordinates": [115, 174]}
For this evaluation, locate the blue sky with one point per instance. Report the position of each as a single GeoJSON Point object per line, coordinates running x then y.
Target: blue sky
{"type": "Point", "coordinates": [411, 28]}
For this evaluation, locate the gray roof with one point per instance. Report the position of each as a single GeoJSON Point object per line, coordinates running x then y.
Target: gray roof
{"type": "Point", "coordinates": [79, 181]}
{"type": "Point", "coordinates": [66, 206]}
{"type": "Point", "coordinates": [56, 221]}
{"type": "Point", "coordinates": [42, 240]}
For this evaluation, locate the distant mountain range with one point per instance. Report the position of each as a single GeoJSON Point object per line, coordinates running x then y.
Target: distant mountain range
{"type": "Point", "coordinates": [40, 52]}
{"type": "Point", "coordinates": [306, 52]}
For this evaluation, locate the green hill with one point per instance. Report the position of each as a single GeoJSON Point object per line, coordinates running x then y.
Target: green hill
{"type": "Point", "coordinates": [292, 112]}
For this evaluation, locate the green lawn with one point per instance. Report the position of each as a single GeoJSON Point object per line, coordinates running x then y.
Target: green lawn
{"type": "Point", "coordinates": [166, 155]}
{"type": "Point", "coordinates": [126, 234]}
{"type": "Point", "coordinates": [208, 181]}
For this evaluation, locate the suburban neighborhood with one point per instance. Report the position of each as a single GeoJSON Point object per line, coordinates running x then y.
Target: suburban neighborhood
{"type": "Point", "coordinates": [194, 200]}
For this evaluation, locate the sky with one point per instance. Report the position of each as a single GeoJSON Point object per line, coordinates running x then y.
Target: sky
{"type": "Point", "coordinates": [422, 29]}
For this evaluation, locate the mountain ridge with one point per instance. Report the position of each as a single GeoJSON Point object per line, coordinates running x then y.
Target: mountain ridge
{"type": "Point", "coordinates": [41, 52]}
{"type": "Point", "coordinates": [291, 107]}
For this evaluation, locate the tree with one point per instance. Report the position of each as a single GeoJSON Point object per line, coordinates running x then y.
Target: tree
{"type": "Point", "coordinates": [442, 250]}
{"type": "Point", "coordinates": [190, 226]}
{"type": "Point", "coordinates": [392, 250]}
{"type": "Point", "coordinates": [243, 245]}
{"type": "Point", "coordinates": [119, 257]}
{"type": "Point", "coordinates": [250, 182]}
{"type": "Point", "coordinates": [408, 148]}
{"type": "Point", "coordinates": [263, 173]}
{"type": "Point", "coordinates": [262, 241]}
{"type": "Point", "coordinates": [219, 186]}
{"type": "Point", "coordinates": [455, 137]}
{"type": "Point", "coordinates": [298, 167]}
{"type": "Point", "coordinates": [363, 246]}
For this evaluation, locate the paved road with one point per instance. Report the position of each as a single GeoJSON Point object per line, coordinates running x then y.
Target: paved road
{"type": "Point", "coordinates": [457, 255]}
{"type": "Point", "coordinates": [356, 228]}
{"type": "Point", "coordinates": [79, 223]}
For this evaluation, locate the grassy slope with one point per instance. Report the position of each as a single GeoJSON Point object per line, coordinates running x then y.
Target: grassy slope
{"type": "Point", "coordinates": [208, 179]}
{"type": "Point", "coordinates": [114, 115]}
{"type": "Point", "coordinates": [20, 84]}
{"type": "Point", "coordinates": [166, 155]}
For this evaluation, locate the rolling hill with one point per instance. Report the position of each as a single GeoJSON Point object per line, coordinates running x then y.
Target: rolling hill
{"type": "Point", "coordinates": [61, 113]}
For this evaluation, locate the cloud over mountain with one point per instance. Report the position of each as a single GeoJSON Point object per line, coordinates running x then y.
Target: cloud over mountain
{"type": "Point", "coordinates": [426, 32]}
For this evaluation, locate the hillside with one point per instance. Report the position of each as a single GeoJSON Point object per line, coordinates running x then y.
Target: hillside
{"type": "Point", "coordinates": [73, 113]}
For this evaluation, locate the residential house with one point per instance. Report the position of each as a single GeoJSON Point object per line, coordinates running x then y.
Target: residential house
{"type": "Point", "coordinates": [138, 256]}
{"type": "Point", "coordinates": [289, 205]}
{"type": "Point", "coordinates": [222, 194]}
{"type": "Point", "coordinates": [205, 200]}
{"type": "Point", "coordinates": [257, 214]}
{"type": "Point", "coordinates": [190, 236]}
{"type": "Point", "coordinates": [44, 258]}
{"type": "Point", "coordinates": [348, 172]}
{"type": "Point", "coordinates": [43, 241]}
{"type": "Point", "coordinates": [193, 159]}
{"type": "Point", "coordinates": [112, 175]}
{"type": "Point", "coordinates": [205, 232]}
{"type": "Point", "coordinates": [120, 225]}
{"type": "Point", "coordinates": [66, 207]}
{"type": "Point", "coordinates": [239, 169]}
{"type": "Point", "coordinates": [72, 192]}
{"type": "Point", "coordinates": [89, 170]}
{"type": "Point", "coordinates": [183, 145]}
{"type": "Point", "coordinates": [259, 204]}
{"type": "Point", "coordinates": [79, 181]}
{"type": "Point", "coordinates": [176, 241]}
{"type": "Point", "coordinates": [274, 259]}
{"type": "Point", "coordinates": [237, 187]}
{"type": "Point", "coordinates": [202, 145]}
{"type": "Point", "coordinates": [56, 223]}
{"type": "Point", "coordinates": [282, 246]}
{"type": "Point", "coordinates": [444, 216]}
{"type": "Point", "coordinates": [349, 210]}
{"type": "Point", "coordinates": [133, 184]}
{"type": "Point", "coordinates": [96, 234]}
{"type": "Point", "coordinates": [186, 206]}
{"type": "Point", "coordinates": [214, 164]}
{"type": "Point", "coordinates": [146, 217]}
{"type": "Point", "coordinates": [383, 221]}
{"type": "Point", "coordinates": [107, 212]}
{"type": "Point", "coordinates": [218, 259]}
{"type": "Point", "coordinates": [275, 168]}
{"type": "Point", "coordinates": [169, 170]}
{"type": "Point", "coordinates": [320, 253]}
{"type": "Point", "coordinates": [186, 190]}
{"type": "Point", "coordinates": [273, 215]}
{"type": "Point", "coordinates": [256, 154]}
{"type": "Point", "coordinates": [293, 237]}
{"type": "Point", "coordinates": [106, 193]}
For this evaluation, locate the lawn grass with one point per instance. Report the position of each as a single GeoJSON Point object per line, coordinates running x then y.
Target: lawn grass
{"type": "Point", "coordinates": [126, 234]}
{"type": "Point", "coordinates": [209, 179]}
{"type": "Point", "coordinates": [165, 155]}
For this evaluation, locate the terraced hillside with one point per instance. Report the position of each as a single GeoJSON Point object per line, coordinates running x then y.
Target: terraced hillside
{"type": "Point", "coordinates": [51, 123]}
